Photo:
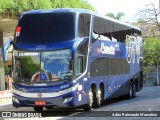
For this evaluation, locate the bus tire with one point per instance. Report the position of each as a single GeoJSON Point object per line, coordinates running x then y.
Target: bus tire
{"type": "Point", "coordinates": [133, 90]}
{"type": "Point", "coordinates": [98, 98]}
{"type": "Point", "coordinates": [90, 101]}
{"type": "Point", "coordinates": [129, 95]}
{"type": "Point", "coordinates": [38, 108]}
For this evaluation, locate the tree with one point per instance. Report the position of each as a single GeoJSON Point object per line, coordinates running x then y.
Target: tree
{"type": "Point", "coordinates": [151, 51]}
{"type": "Point", "coordinates": [7, 69]}
{"type": "Point", "coordinates": [148, 20]}
{"type": "Point", "coordinates": [118, 16]}
{"type": "Point", "coordinates": [13, 8]}
{"type": "Point", "coordinates": [151, 54]}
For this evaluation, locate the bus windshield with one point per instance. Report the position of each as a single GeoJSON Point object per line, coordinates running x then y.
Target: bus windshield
{"type": "Point", "coordinates": [46, 28]}
{"type": "Point", "coordinates": [51, 66]}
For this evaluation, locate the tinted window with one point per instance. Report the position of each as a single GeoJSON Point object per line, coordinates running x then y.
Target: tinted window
{"type": "Point", "coordinates": [97, 27]}
{"type": "Point", "coordinates": [102, 29]}
{"type": "Point", "coordinates": [109, 66]}
{"type": "Point", "coordinates": [84, 25]}
{"type": "Point", "coordinates": [47, 28]}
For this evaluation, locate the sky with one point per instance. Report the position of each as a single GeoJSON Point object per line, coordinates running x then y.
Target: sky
{"type": "Point", "coordinates": [129, 7]}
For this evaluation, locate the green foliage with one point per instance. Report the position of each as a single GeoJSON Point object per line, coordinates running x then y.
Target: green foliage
{"type": "Point", "coordinates": [110, 15]}
{"type": "Point", "coordinates": [151, 51]}
{"type": "Point", "coordinates": [142, 21]}
{"type": "Point", "coordinates": [30, 67]}
{"type": "Point", "coordinates": [118, 16]}
{"type": "Point", "coordinates": [6, 68]}
{"type": "Point", "coordinates": [12, 8]}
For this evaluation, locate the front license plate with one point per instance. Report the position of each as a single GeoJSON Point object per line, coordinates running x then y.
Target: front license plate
{"type": "Point", "coordinates": [40, 102]}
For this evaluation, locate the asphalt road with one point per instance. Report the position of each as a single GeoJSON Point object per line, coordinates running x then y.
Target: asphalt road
{"type": "Point", "coordinates": [146, 100]}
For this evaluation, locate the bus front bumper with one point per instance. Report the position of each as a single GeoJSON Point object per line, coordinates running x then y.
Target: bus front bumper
{"type": "Point", "coordinates": [66, 100]}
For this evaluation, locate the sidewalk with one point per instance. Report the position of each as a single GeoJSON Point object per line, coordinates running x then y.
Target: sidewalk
{"type": "Point", "coordinates": [5, 97]}
{"type": "Point", "coordinates": [5, 101]}
{"type": "Point", "coordinates": [5, 94]}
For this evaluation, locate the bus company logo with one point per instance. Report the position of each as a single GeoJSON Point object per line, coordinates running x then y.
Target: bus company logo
{"type": "Point", "coordinates": [43, 76]}
{"type": "Point", "coordinates": [132, 49]}
{"type": "Point", "coordinates": [107, 49]}
{"type": "Point", "coordinates": [40, 47]}
{"type": "Point", "coordinates": [39, 95]}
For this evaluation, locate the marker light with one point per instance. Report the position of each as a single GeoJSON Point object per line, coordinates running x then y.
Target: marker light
{"type": "Point", "coordinates": [18, 30]}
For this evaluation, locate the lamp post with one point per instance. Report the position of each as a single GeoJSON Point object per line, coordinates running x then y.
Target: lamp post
{"type": "Point", "coordinates": [2, 73]}
{"type": "Point", "coordinates": [159, 6]}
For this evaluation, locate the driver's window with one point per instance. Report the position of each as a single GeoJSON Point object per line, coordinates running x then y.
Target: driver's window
{"type": "Point", "coordinates": [79, 66]}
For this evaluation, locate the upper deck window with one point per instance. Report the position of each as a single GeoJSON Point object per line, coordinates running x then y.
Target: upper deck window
{"type": "Point", "coordinates": [84, 25]}
{"type": "Point", "coordinates": [46, 28]}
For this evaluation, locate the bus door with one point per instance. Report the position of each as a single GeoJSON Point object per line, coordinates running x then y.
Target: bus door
{"type": "Point", "coordinates": [80, 65]}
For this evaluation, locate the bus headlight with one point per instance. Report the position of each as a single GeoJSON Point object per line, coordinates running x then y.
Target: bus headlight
{"type": "Point", "coordinates": [15, 100]}
{"type": "Point", "coordinates": [17, 91]}
{"type": "Point", "coordinates": [67, 99]}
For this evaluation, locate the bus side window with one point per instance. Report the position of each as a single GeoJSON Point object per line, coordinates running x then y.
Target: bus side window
{"type": "Point", "coordinates": [107, 30]}
{"type": "Point", "coordinates": [97, 29]}
{"type": "Point", "coordinates": [84, 25]}
{"type": "Point", "coordinates": [79, 66]}
{"type": "Point", "coordinates": [119, 32]}
{"type": "Point", "coordinates": [102, 29]}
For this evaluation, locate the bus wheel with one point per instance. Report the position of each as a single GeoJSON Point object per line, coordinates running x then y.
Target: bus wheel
{"type": "Point", "coordinates": [129, 95]}
{"type": "Point", "coordinates": [133, 90]}
{"type": "Point", "coordinates": [98, 98]}
{"type": "Point", "coordinates": [90, 101]}
{"type": "Point", "coordinates": [38, 108]}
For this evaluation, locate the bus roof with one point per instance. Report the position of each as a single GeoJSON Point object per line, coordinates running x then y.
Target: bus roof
{"type": "Point", "coordinates": [75, 10]}
{"type": "Point", "coordinates": [59, 10]}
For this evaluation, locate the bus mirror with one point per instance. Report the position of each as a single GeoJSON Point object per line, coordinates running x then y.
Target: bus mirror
{"type": "Point", "coordinates": [4, 49]}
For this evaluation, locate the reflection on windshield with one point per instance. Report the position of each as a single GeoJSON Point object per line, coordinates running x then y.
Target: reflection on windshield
{"type": "Point", "coordinates": [58, 64]}
{"type": "Point", "coordinates": [43, 66]}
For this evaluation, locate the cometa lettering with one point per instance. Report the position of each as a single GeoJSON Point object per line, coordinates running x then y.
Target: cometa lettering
{"type": "Point", "coordinates": [107, 49]}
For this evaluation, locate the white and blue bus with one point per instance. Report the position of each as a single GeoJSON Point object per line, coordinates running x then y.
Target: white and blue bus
{"type": "Point", "coordinates": [73, 58]}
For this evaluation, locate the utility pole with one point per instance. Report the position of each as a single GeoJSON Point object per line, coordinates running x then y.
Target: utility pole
{"type": "Point", "coordinates": [159, 6]}
{"type": "Point", "coordinates": [2, 73]}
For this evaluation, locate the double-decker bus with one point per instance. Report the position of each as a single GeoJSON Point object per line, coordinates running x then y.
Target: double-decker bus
{"type": "Point", "coordinates": [73, 58]}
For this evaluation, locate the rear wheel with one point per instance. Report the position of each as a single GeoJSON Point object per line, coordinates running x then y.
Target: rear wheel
{"type": "Point", "coordinates": [98, 98]}
{"type": "Point", "coordinates": [90, 100]}
{"type": "Point", "coordinates": [38, 108]}
{"type": "Point", "coordinates": [132, 90]}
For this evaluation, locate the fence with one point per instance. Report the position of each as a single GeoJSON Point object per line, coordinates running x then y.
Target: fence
{"type": "Point", "coordinates": [150, 75]}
